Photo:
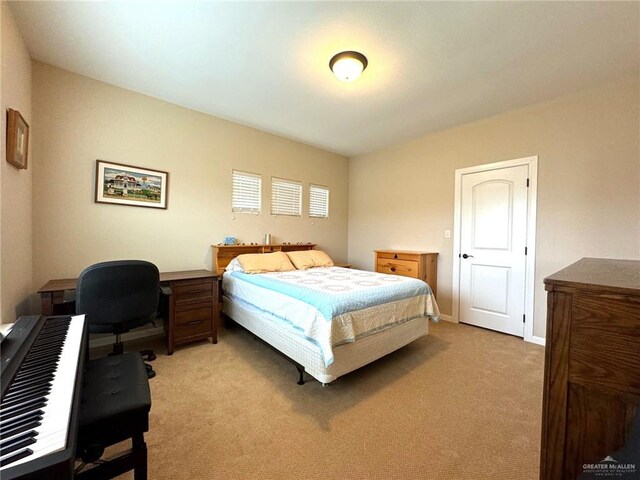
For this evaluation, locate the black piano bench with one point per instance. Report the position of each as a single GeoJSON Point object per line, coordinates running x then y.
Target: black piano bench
{"type": "Point", "coordinates": [115, 407]}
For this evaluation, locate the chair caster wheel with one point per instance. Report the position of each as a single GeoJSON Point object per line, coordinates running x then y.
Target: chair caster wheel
{"type": "Point", "coordinates": [148, 355]}
{"type": "Point", "coordinates": [150, 371]}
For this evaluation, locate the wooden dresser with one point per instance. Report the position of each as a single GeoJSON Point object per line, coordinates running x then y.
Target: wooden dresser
{"type": "Point", "coordinates": [592, 364]}
{"type": "Point", "coordinates": [422, 265]}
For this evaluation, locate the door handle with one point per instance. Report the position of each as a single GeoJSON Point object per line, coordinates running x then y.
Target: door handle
{"type": "Point", "coordinates": [464, 255]}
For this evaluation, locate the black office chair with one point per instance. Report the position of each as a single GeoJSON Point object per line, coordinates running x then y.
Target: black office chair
{"type": "Point", "coordinates": [118, 296]}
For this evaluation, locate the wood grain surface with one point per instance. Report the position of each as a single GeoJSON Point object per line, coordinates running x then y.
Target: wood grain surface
{"type": "Point", "coordinates": [592, 364]}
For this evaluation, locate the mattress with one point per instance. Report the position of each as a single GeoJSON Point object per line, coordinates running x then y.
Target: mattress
{"type": "Point", "coordinates": [332, 306]}
{"type": "Point", "coordinates": [347, 357]}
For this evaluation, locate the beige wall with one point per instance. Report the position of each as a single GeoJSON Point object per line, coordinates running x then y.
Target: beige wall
{"type": "Point", "coordinates": [16, 263]}
{"type": "Point", "coordinates": [80, 120]}
{"type": "Point", "coordinates": [588, 184]}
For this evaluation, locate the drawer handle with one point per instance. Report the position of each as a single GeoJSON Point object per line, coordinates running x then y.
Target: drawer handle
{"type": "Point", "coordinates": [393, 269]}
{"type": "Point", "coordinates": [195, 322]}
{"type": "Point", "coordinates": [198, 291]}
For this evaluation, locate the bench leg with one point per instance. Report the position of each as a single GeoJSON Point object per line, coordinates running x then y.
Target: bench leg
{"type": "Point", "coordinates": [140, 457]}
{"type": "Point", "coordinates": [135, 459]}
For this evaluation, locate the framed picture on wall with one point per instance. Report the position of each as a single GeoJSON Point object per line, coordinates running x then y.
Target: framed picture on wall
{"type": "Point", "coordinates": [17, 139]}
{"type": "Point", "coordinates": [128, 185]}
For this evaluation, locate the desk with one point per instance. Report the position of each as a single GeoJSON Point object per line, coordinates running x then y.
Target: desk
{"type": "Point", "coordinates": [193, 312]}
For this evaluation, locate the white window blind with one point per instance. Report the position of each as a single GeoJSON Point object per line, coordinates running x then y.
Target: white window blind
{"type": "Point", "coordinates": [246, 195]}
{"type": "Point", "coordinates": [318, 201]}
{"type": "Point", "coordinates": [286, 197]}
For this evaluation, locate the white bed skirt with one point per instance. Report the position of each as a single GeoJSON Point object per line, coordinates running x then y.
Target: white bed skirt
{"type": "Point", "coordinates": [347, 357]}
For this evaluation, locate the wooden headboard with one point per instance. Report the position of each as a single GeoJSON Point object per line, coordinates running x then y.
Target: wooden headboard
{"type": "Point", "coordinates": [223, 254]}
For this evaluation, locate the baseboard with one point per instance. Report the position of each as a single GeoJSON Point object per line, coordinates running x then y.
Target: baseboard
{"type": "Point", "coordinates": [537, 340]}
{"type": "Point", "coordinates": [101, 340]}
{"type": "Point", "coordinates": [533, 339]}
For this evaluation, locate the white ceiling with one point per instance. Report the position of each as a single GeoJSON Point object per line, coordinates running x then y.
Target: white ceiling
{"type": "Point", "coordinates": [432, 65]}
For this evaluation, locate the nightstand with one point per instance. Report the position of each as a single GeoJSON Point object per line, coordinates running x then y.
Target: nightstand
{"type": "Point", "coordinates": [193, 307]}
{"type": "Point", "coordinates": [421, 265]}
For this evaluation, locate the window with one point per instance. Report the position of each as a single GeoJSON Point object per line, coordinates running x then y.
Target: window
{"type": "Point", "coordinates": [318, 201]}
{"type": "Point", "coordinates": [286, 197]}
{"type": "Point", "coordinates": [246, 195]}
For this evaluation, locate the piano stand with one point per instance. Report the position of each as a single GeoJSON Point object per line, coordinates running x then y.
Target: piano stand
{"type": "Point", "coordinates": [115, 407]}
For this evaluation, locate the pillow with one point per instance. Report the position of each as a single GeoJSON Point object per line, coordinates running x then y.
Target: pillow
{"type": "Point", "coordinates": [305, 259]}
{"type": "Point", "coordinates": [234, 266]}
{"type": "Point", "coordinates": [265, 262]}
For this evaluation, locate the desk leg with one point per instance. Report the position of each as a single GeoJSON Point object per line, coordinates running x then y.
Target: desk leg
{"type": "Point", "coordinates": [217, 306]}
{"type": "Point", "coordinates": [46, 301]}
{"type": "Point", "coordinates": [170, 320]}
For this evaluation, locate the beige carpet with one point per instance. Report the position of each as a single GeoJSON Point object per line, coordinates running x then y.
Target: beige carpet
{"type": "Point", "coordinates": [462, 403]}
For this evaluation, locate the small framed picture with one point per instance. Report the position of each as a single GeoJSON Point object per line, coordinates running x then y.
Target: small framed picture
{"type": "Point", "coordinates": [17, 139]}
{"type": "Point", "coordinates": [128, 185]}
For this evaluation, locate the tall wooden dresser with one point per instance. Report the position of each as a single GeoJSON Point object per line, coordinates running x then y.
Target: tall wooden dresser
{"type": "Point", "coordinates": [592, 364]}
{"type": "Point", "coordinates": [421, 265]}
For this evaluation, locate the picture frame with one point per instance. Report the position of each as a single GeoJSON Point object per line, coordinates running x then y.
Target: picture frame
{"type": "Point", "coordinates": [120, 184]}
{"type": "Point", "coordinates": [17, 139]}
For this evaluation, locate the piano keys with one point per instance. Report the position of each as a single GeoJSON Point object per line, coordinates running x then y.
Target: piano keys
{"type": "Point", "coordinates": [42, 360]}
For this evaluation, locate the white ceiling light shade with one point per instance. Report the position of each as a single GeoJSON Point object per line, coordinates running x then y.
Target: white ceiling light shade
{"type": "Point", "coordinates": [347, 66]}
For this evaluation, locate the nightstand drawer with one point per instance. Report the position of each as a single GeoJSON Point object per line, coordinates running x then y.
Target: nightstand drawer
{"type": "Point", "coordinates": [194, 292]}
{"type": "Point", "coordinates": [398, 267]}
{"type": "Point", "coordinates": [187, 316]}
{"type": "Point", "coordinates": [192, 328]}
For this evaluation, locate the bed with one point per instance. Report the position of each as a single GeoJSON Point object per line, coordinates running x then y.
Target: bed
{"type": "Point", "coordinates": [328, 320]}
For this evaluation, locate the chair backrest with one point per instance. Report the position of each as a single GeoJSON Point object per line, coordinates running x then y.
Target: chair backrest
{"type": "Point", "coordinates": [119, 295]}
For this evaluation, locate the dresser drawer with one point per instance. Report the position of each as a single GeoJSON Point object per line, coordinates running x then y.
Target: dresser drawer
{"type": "Point", "coordinates": [398, 256]}
{"type": "Point", "coordinates": [193, 292]}
{"type": "Point", "coordinates": [192, 328]}
{"type": "Point", "coordinates": [398, 267]}
{"type": "Point", "coordinates": [185, 317]}
{"type": "Point", "coordinates": [192, 323]}
{"type": "Point", "coordinates": [604, 343]}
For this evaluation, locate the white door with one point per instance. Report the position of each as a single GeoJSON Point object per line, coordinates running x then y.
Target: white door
{"type": "Point", "coordinates": [493, 233]}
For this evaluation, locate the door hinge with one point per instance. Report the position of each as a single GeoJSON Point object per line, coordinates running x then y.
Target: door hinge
{"type": "Point", "coordinates": [527, 182]}
{"type": "Point", "coordinates": [523, 317]}
{"type": "Point", "coordinates": [525, 250]}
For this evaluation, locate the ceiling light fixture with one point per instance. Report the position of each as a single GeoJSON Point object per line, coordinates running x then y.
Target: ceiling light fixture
{"type": "Point", "coordinates": [347, 66]}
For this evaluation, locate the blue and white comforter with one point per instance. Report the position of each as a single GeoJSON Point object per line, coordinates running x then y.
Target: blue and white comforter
{"type": "Point", "coordinates": [331, 306]}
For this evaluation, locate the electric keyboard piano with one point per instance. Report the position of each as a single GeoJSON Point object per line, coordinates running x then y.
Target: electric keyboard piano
{"type": "Point", "coordinates": [42, 361]}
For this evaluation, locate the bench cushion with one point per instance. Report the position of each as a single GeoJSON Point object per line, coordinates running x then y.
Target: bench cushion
{"type": "Point", "coordinates": [115, 399]}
